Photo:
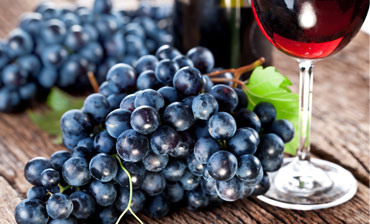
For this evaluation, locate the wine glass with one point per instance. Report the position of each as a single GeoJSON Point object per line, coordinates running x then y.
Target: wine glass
{"type": "Point", "coordinates": [309, 30]}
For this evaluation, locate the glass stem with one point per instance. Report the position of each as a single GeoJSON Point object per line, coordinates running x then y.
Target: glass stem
{"type": "Point", "coordinates": [305, 104]}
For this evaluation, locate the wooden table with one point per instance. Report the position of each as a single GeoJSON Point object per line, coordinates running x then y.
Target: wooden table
{"type": "Point", "coordinates": [340, 133]}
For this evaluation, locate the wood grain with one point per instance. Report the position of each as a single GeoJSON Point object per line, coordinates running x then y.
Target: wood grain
{"type": "Point", "coordinates": [340, 133]}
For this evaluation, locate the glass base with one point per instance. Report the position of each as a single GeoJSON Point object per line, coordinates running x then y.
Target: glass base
{"type": "Point", "coordinates": [309, 185]}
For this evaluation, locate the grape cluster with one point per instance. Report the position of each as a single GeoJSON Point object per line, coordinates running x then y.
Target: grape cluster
{"type": "Point", "coordinates": [181, 137]}
{"type": "Point", "coordinates": [61, 46]}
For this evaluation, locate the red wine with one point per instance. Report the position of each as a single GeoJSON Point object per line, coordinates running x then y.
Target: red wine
{"type": "Point", "coordinates": [310, 29]}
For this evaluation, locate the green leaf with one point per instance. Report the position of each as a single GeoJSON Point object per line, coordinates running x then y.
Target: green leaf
{"type": "Point", "coordinates": [268, 85]}
{"type": "Point", "coordinates": [48, 121]}
{"type": "Point", "coordinates": [61, 101]}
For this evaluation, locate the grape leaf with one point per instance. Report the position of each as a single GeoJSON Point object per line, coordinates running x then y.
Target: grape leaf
{"type": "Point", "coordinates": [48, 121]}
{"type": "Point", "coordinates": [268, 85]}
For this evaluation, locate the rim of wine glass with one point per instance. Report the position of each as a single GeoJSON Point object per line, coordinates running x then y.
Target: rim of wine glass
{"type": "Point", "coordinates": [337, 202]}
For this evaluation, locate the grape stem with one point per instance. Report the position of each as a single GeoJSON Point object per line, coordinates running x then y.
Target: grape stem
{"type": "Point", "coordinates": [93, 81]}
{"type": "Point", "coordinates": [235, 81]}
{"type": "Point", "coordinates": [128, 208]}
{"type": "Point", "coordinates": [238, 72]}
{"type": "Point", "coordinates": [62, 189]}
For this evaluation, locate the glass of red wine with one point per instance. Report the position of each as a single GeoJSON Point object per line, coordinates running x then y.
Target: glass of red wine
{"type": "Point", "coordinates": [309, 30]}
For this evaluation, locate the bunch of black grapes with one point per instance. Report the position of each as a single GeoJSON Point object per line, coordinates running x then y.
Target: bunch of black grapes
{"type": "Point", "coordinates": [61, 46]}
{"type": "Point", "coordinates": [183, 139]}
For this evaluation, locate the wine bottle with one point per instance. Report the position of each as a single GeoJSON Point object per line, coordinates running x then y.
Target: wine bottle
{"type": "Point", "coordinates": [226, 27]}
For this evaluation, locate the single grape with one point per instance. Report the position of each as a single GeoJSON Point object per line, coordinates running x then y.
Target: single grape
{"type": "Point", "coordinates": [104, 193]}
{"type": "Point", "coordinates": [50, 177]}
{"type": "Point", "coordinates": [204, 106]}
{"type": "Point", "coordinates": [204, 148]}
{"type": "Point", "coordinates": [153, 184]}
{"type": "Point", "coordinates": [249, 167]}
{"type": "Point", "coordinates": [83, 204]}
{"type": "Point", "coordinates": [183, 61]}
{"type": "Point", "coordinates": [189, 181]}
{"type": "Point", "coordinates": [147, 80]}
{"type": "Point", "coordinates": [137, 173]}
{"type": "Point", "coordinates": [272, 164]}
{"type": "Point", "coordinates": [34, 168]}
{"type": "Point", "coordinates": [146, 62]}
{"type": "Point", "coordinates": [243, 142]}
{"type": "Point", "coordinates": [137, 202]}
{"type": "Point", "coordinates": [194, 165]}
{"type": "Point", "coordinates": [174, 192]}
{"type": "Point", "coordinates": [76, 38]}
{"type": "Point", "coordinates": [75, 171]}
{"type": "Point", "coordinates": [230, 190]}
{"type": "Point", "coordinates": [97, 106]}
{"type": "Point", "coordinates": [188, 81]}
{"type": "Point", "coordinates": [115, 99]}
{"type": "Point", "coordinates": [208, 186]}
{"type": "Point", "coordinates": [102, 6]}
{"type": "Point", "coordinates": [196, 199]}
{"type": "Point", "coordinates": [178, 116]}
{"type": "Point", "coordinates": [164, 140]}
{"type": "Point", "coordinates": [271, 146]}
{"type": "Point", "coordinates": [284, 129]}
{"type": "Point", "coordinates": [117, 122]}
{"type": "Point", "coordinates": [47, 77]}
{"type": "Point", "coordinates": [174, 170]}
{"type": "Point", "coordinates": [37, 192]}
{"type": "Point", "coordinates": [127, 103]}
{"type": "Point", "coordinates": [75, 122]}
{"type": "Point", "coordinates": [83, 152]}
{"type": "Point", "coordinates": [54, 56]}
{"type": "Point", "coordinates": [188, 101]}
{"type": "Point", "coordinates": [123, 76]}
{"type": "Point", "coordinates": [14, 76]}
{"type": "Point", "coordinates": [242, 99]}
{"type": "Point", "coordinates": [107, 215]}
{"type": "Point", "coordinates": [19, 42]}
{"type": "Point", "coordinates": [145, 119]}
{"type": "Point", "coordinates": [70, 220]}
{"type": "Point", "coordinates": [155, 162]}
{"type": "Point", "coordinates": [263, 186]}
{"type": "Point", "coordinates": [202, 58]}
{"type": "Point", "coordinates": [103, 142]}
{"type": "Point", "coordinates": [103, 167]}
{"type": "Point", "coordinates": [222, 165]}
{"type": "Point", "coordinates": [31, 211]}
{"type": "Point", "coordinates": [59, 206]}
{"type": "Point", "coordinates": [132, 146]}
{"type": "Point", "coordinates": [54, 31]}
{"type": "Point", "coordinates": [169, 94]}
{"type": "Point", "coordinates": [226, 97]}
{"type": "Point", "coordinates": [185, 145]}
{"type": "Point", "coordinates": [150, 98]}
{"type": "Point", "coordinates": [108, 88]}
{"type": "Point", "coordinates": [247, 118]}
{"type": "Point", "coordinates": [87, 143]}
{"type": "Point", "coordinates": [266, 112]}
{"type": "Point", "coordinates": [207, 83]}
{"type": "Point", "coordinates": [167, 52]}
{"type": "Point", "coordinates": [222, 126]}
{"type": "Point", "coordinates": [165, 71]}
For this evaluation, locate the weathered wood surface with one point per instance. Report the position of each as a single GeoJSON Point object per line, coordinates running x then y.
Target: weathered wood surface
{"type": "Point", "coordinates": [340, 134]}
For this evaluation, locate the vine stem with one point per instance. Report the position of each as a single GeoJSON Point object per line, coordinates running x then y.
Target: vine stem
{"type": "Point", "coordinates": [235, 81]}
{"type": "Point", "coordinates": [128, 208]}
{"type": "Point", "coordinates": [238, 72]}
{"type": "Point", "coordinates": [93, 81]}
